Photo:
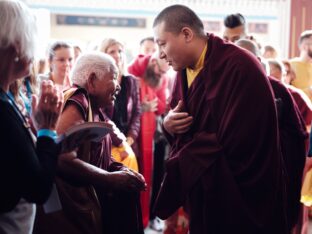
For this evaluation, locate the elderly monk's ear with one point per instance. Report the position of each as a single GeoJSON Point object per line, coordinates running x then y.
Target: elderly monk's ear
{"type": "Point", "coordinates": [91, 82]}
{"type": "Point", "coordinates": [187, 33]}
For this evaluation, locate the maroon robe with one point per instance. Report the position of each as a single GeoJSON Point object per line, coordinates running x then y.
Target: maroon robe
{"type": "Point", "coordinates": [227, 169]}
{"type": "Point", "coordinates": [81, 210]}
{"type": "Point", "coordinates": [294, 146]}
{"type": "Point", "coordinates": [87, 208]}
{"type": "Point", "coordinates": [303, 103]}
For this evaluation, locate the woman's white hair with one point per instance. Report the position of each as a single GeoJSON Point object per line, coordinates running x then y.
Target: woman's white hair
{"type": "Point", "coordinates": [94, 62]}
{"type": "Point", "coordinates": [18, 28]}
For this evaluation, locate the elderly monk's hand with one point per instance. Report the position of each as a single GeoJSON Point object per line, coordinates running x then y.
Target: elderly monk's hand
{"type": "Point", "coordinates": [127, 179]}
{"type": "Point", "coordinates": [46, 110]}
{"type": "Point", "coordinates": [176, 121]}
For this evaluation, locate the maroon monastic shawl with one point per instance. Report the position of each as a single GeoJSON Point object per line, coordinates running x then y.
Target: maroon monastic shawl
{"type": "Point", "coordinates": [227, 169]}
{"type": "Point", "coordinates": [294, 146]}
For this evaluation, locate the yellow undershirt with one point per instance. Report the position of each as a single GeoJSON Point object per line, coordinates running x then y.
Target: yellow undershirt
{"type": "Point", "coordinates": [192, 73]}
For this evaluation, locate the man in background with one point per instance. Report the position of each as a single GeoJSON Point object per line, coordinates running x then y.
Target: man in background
{"type": "Point", "coordinates": [234, 27]}
{"type": "Point", "coordinates": [302, 65]}
{"type": "Point", "coordinates": [147, 46]}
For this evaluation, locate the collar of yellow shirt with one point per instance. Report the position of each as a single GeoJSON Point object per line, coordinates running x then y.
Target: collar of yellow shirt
{"type": "Point", "coordinates": [192, 73]}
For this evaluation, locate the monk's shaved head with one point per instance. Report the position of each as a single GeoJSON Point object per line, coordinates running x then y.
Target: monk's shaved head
{"type": "Point", "coordinates": [253, 48]}
{"type": "Point", "coordinates": [178, 16]}
{"type": "Point", "coordinates": [248, 45]}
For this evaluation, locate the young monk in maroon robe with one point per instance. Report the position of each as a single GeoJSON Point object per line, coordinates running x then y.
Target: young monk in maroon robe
{"type": "Point", "coordinates": [293, 141]}
{"type": "Point", "coordinates": [225, 164]}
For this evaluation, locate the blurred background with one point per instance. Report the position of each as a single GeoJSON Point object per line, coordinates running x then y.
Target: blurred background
{"type": "Point", "coordinates": [85, 22]}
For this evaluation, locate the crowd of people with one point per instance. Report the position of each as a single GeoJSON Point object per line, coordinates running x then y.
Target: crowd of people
{"type": "Point", "coordinates": [209, 134]}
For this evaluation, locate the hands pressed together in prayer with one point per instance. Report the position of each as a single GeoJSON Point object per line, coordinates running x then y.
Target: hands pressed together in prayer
{"type": "Point", "coordinates": [47, 109]}
{"type": "Point", "coordinates": [177, 121]}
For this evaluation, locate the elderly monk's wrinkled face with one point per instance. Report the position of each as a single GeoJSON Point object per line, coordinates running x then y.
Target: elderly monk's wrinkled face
{"type": "Point", "coordinates": [171, 47]}
{"type": "Point", "coordinates": [106, 88]}
{"type": "Point", "coordinates": [234, 34]}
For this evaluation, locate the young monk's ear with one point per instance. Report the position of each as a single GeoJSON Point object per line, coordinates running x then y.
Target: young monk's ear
{"type": "Point", "coordinates": [187, 33]}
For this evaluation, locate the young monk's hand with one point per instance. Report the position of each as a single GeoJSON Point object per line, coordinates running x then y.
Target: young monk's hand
{"type": "Point", "coordinates": [177, 121]}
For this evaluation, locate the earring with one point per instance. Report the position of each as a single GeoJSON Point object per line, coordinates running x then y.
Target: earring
{"type": "Point", "coordinates": [16, 59]}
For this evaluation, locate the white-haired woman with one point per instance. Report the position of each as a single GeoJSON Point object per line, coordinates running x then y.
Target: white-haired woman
{"type": "Point", "coordinates": [95, 87]}
{"type": "Point", "coordinates": [27, 167]}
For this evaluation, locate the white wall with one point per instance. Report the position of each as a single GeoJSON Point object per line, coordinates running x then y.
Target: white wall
{"type": "Point", "coordinates": [274, 12]}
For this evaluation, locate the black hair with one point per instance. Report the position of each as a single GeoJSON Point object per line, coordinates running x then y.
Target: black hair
{"type": "Point", "coordinates": [178, 16]}
{"type": "Point", "coordinates": [234, 20]}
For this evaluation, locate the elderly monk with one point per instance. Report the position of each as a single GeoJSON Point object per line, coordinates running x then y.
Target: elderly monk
{"type": "Point", "coordinates": [94, 189]}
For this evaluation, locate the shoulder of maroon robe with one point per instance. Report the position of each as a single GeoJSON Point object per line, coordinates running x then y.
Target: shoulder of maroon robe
{"type": "Point", "coordinates": [293, 142]}
{"type": "Point", "coordinates": [303, 102]}
{"type": "Point", "coordinates": [80, 100]}
{"type": "Point", "coordinates": [234, 121]}
{"type": "Point", "coordinates": [291, 117]}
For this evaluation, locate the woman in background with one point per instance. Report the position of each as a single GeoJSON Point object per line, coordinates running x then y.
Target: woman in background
{"type": "Point", "coordinates": [61, 59]}
{"type": "Point", "coordinates": [126, 112]}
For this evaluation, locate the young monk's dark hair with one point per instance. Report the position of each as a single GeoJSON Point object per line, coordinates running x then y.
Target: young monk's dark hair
{"type": "Point", "coordinates": [178, 16]}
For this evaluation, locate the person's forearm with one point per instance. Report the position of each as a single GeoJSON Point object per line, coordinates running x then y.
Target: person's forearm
{"type": "Point", "coordinates": [82, 172]}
